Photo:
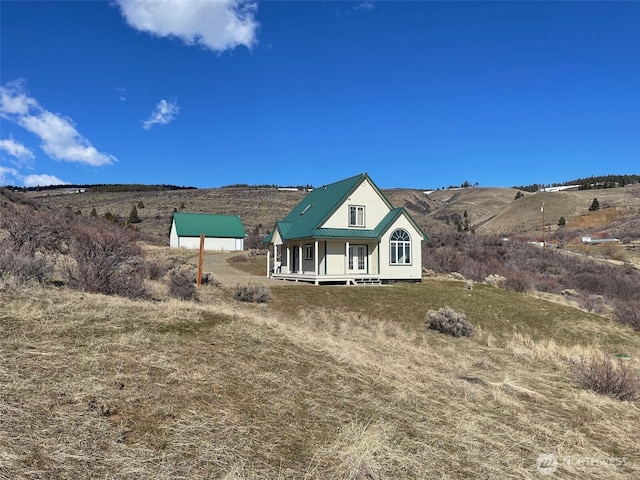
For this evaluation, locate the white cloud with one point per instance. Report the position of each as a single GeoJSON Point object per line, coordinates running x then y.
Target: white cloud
{"type": "Point", "coordinates": [215, 24]}
{"type": "Point", "coordinates": [121, 93]}
{"type": "Point", "coordinates": [14, 100]}
{"type": "Point", "coordinates": [42, 180]}
{"type": "Point", "coordinates": [163, 114]}
{"type": "Point", "coordinates": [16, 149]}
{"type": "Point", "coordinates": [6, 174]}
{"type": "Point", "coordinates": [367, 5]}
{"type": "Point", "coordinates": [60, 139]}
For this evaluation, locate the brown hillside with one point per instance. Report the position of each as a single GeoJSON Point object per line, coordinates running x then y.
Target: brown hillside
{"type": "Point", "coordinates": [490, 210]}
{"type": "Point", "coordinates": [481, 204]}
{"type": "Point", "coordinates": [523, 216]}
{"type": "Point", "coordinates": [256, 207]}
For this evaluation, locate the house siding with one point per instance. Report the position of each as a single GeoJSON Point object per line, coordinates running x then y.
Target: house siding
{"type": "Point", "coordinates": [228, 244]}
{"type": "Point", "coordinates": [335, 258]}
{"type": "Point", "coordinates": [412, 271]}
{"type": "Point", "coordinates": [365, 194]}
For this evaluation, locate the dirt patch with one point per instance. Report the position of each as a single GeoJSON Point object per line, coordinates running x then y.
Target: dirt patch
{"type": "Point", "coordinates": [599, 218]}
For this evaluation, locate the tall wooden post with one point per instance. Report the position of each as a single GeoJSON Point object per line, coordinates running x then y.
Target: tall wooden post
{"type": "Point", "coordinates": [542, 211]}
{"type": "Point", "coordinates": [200, 260]}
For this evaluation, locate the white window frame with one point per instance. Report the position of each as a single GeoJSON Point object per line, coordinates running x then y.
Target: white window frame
{"type": "Point", "coordinates": [354, 211]}
{"type": "Point", "coordinates": [308, 251]}
{"type": "Point", "coordinates": [400, 246]}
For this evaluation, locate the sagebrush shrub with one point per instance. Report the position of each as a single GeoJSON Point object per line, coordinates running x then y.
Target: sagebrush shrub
{"type": "Point", "coordinates": [602, 374]}
{"type": "Point", "coordinates": [447, 320]}
{"type": "Point", "coordinates": [107, 260]}
{"type": "Point", "coordinates": [23, 266]}
{"type": "Point", "coordinates": [518, 281]}
{"type": "Point", "coordinates": [155, 270]}
{"type": "Point", "coordinates": [592, 303]}
{"type": "Point", "coordinates": [628, 313]}
{"type": "Point", "coordinates": [253, 292]}
{"type": "Point", "coordinates": [181, 285]}
{"type": "Point", "coordinates": [495, 280]}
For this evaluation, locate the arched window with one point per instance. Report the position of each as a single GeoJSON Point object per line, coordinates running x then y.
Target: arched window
{"type": "Point", "coordinates": [400, 247]}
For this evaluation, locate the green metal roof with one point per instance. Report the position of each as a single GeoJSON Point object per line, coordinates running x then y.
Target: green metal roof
{"type": "Point", "coordinates": [319, 204]}
{"type": "Point", "coordinates": [195, 224]}
{"type": "Point", "coordinates": [282, 227]}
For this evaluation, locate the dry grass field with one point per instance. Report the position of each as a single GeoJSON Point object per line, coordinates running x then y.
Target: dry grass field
{"type": "Point", "coordinates": [321, 383]}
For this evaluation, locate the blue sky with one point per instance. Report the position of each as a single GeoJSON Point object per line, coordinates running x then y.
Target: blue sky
{"type": "Point", "coordinates": [417, 94]}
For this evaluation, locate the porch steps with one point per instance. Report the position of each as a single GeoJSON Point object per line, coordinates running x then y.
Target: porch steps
{"type": "Point", "coordinates": [366, 281]}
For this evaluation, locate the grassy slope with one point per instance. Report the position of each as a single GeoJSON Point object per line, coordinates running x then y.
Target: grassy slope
{"type": "Point", "coordinates": [325, 382]}
{"type": "Point", "coordinates": [523, 215]}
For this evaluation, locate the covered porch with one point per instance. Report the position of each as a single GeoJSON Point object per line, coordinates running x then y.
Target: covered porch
{"type": "Point", "coordinates": [325, 261]}
{"type": "Point", "coordinates": [328, 279]}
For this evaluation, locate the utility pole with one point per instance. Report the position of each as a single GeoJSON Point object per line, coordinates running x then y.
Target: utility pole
{"type": "Point", "coordinates": [542, 210]}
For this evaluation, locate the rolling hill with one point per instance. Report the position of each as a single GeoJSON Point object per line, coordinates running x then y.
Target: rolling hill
{"type": "Point", "coordinates": [489, 210]}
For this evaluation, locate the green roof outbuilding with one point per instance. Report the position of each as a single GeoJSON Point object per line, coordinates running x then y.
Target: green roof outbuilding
{"type": "Point", "coordinates": [196, 224]}
{"type": "Point", "coordinates": [222, 232]}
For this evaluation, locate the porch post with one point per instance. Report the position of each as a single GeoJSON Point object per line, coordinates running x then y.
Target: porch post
{"type": "Point", "coordinates": [275, 257]}
{"type": "Point", "coordinates": [315, 256]}
{"type": "Point", "coordinates": [288, 259]}
{"type": "Point", "coordinates": [300, 258]}
{"type": "Point", "coordinates": [269, 262]}
{"type": "Point", "coordinates": [346, 257]}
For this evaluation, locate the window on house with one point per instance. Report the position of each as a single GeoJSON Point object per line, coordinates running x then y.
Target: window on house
{"type": "Point", "coordinates": [356, 216]}
{"type": "Point", "coordinates": [400, 247]}
{"type": "Point", "coordinates": [308, 252]}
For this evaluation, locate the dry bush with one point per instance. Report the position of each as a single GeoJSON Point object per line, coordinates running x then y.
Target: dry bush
{"type": "Point", "coordinates": [23, 266]}
{"type": "Point", "coordinates": [181, 285]}
{"type": "Point", "coordinates": [238, 259]}
{"type": "Point", "coordinates": [447, 320]}
{"type": "Point", "coordinates": [518, 281]}
{"type": "Point", "coordinates": [495, 280]}
{"type": "Point", "coordinates": [209, 279]}
{"type": "Point", "coordinates": [628, 313]}
{"type": "Point", "coordinates": [606, 376]}
{"type": "Point", "coordinates": [526, 266]}
{"type": "Point", "coordinates": [107, 260]}
{"type": "Point", "coordinates": [30, 230]}
{"type": "Point", "coordinates": [155, 270]}
{"type": "Point", "coordinates": [253, 292]}
{"type": "Point", "coordinates": [592, 303]}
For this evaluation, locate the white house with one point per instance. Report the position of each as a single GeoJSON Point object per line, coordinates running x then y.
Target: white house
{"type": "Point", "coordinates": [222, 232]}
{"type": "Point", "coordinates": [346, 232]}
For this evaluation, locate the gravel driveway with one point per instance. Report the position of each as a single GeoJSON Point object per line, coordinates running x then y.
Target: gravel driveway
{"type": "Point", "coordinates": [216, 264]}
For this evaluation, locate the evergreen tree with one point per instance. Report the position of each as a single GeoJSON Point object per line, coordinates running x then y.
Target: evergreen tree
{"type": "Point", "coordinates": [133, 215]}
{"type": "Point", "coordinates": [140, 204]}
{"type": "Point", "coordinates": [595, 205]}
{"type": "Point", "coordinates": [93, 212]}
{"type": "Point", "coordinates": [519, 194]}
{"type": "Point", "coordinates": [562, 222]}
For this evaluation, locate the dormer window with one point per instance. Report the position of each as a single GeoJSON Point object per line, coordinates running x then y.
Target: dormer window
{"type": "Point", "coordinates": [356, 215]}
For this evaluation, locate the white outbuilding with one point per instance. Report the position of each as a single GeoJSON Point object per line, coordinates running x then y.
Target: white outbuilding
{"type": "Point", "coordinates": [221, 232]}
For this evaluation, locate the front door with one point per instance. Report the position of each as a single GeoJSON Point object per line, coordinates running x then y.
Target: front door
{"type": "Point", "coordinates": [358, 258]}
